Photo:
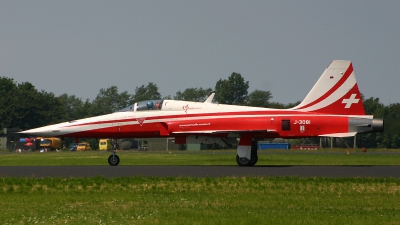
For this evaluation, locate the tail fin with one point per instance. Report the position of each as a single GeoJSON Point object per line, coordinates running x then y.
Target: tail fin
{"type": "Point", "coordinates": [336, 92]}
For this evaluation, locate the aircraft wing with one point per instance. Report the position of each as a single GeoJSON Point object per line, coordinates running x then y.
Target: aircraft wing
{"type": "Point", "coordinates": [222, 131]}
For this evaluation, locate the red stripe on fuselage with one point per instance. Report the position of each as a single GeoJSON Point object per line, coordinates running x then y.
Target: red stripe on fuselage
{"type": "Point", "coordinates": [188, 116]}
{"type": "Point", "coordinates": [303, 125]}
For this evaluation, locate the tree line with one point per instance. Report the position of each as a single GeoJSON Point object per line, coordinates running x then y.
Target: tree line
{"type": "Point", "coordinates": [23, 106]}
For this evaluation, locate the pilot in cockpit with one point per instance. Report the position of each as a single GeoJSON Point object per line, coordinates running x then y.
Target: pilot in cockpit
{"type": "Point", "coordinates": [150, 105]}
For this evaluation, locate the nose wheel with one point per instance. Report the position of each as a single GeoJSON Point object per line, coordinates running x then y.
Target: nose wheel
{"type": "Point", "coordinates": [113, 159]}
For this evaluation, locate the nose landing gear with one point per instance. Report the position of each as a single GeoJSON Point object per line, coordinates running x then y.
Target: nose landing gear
{"type": "Point", "coordinates": [113, 159]}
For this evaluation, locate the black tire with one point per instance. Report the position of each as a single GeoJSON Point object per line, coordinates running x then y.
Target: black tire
{"type": "Point", "coordinates": [113, 160]}
{"type": "Point", "coordinates": [242, 161]}
{"type": "Point", "coordinates": [254, 158]}
{"type": "Point", "coordinates": [254, 155]}
{"type": "Point", "coordinates": [245, 161]}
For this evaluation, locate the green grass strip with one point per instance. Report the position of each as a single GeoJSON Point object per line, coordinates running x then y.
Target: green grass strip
{"type": "Point", "coordinates": [185, 200]}
{"type": "Point", "coordinates": [197, 158]}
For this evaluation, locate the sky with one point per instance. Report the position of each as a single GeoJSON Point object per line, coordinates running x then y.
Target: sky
{"type": "Point", "coordinates": [78, 47]}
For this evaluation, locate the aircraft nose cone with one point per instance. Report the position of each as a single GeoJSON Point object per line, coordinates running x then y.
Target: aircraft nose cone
{"type": "Point", "coordinates": [38, 132]}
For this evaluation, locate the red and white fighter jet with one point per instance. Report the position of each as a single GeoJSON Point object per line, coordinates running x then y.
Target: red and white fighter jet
{"type": "Point", "coordinates": [332, 108]}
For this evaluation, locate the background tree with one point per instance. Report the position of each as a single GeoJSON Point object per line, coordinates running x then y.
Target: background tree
{"type": "Point", "coordinates": [167, 97]}
{"type": "Point", "coordinates": [372, 106]}
{"type": "Point", "coordinates": [391, 138]}
{"type": "Point", "coordinates": [7, 87]}
{"type": "Point", "coordinates": [109, 100]}
{"type": "Point", "coordinates": [149, 92]}
{"type": "Point", "coordinates": [50, 107]}
{"type": "Point", "coordinates": [74, 108]}
{"type": "Point", "coordinates": [232, 91]}
{"type": "Point", "coordinates": [392, 117]}
{"type": "Point", "coordinates": [259, 98]}
{"type": "Point", "coordinates": [193, 94]}
{"type": "Point", "coordinates": [30, 108]}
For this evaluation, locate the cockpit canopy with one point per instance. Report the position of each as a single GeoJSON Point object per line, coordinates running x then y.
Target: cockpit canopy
{"type": "Point", "coordinates": [144, 106]}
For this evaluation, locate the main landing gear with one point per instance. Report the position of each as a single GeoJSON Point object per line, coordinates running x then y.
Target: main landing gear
{"type": "Point", "coordinates": [243, 161]}
{"type": "Point", "coordinates": [113, 159]}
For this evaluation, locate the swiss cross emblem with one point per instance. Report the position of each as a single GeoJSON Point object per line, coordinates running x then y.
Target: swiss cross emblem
{"type": "Point", "coordinates": [350, 101]}
{"type": "Point", "coordinates": [141, 120]}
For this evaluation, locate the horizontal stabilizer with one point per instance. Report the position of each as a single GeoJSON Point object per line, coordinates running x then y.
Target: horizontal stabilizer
{"type": "Point", "coordinates": [350, 134]}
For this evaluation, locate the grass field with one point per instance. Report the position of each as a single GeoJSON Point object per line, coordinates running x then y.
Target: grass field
{"type": "Point", "coordinates": [277, 157]}
{"type": "Point", "coordinates": [187, 200]}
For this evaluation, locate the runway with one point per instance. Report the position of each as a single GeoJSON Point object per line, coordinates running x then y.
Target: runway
{"type": "Point", "coordinates": [199, 171]}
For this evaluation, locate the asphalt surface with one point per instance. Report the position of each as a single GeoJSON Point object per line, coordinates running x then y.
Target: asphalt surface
{"type": "Point", "coordinates": [199, 171]}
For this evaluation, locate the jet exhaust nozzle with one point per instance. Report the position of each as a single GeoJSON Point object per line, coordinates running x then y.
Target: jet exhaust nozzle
{"type": "Point", "coordinates": [377, 125]}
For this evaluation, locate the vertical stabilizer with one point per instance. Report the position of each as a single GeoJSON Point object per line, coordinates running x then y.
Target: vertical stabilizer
{"type": "Point", "coordinates": [336, 92]}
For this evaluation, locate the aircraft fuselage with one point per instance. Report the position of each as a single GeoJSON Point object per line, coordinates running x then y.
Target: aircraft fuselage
{"type": "Point", "coordinates": [263, 123]}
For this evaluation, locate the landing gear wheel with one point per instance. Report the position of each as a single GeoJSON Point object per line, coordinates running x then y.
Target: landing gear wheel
{"type": "Point", "coordinates": [243, 161]}
{"type": "Point", "coordinates": [113, 160]}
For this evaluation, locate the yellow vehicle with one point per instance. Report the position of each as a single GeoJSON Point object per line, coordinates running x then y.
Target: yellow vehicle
{"type": "Point", "coordinates": [50, 143]}
{"type": "Point", "coordinates": [105, 144]}
{"type": "Point", "coordinates": [83, 146]}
